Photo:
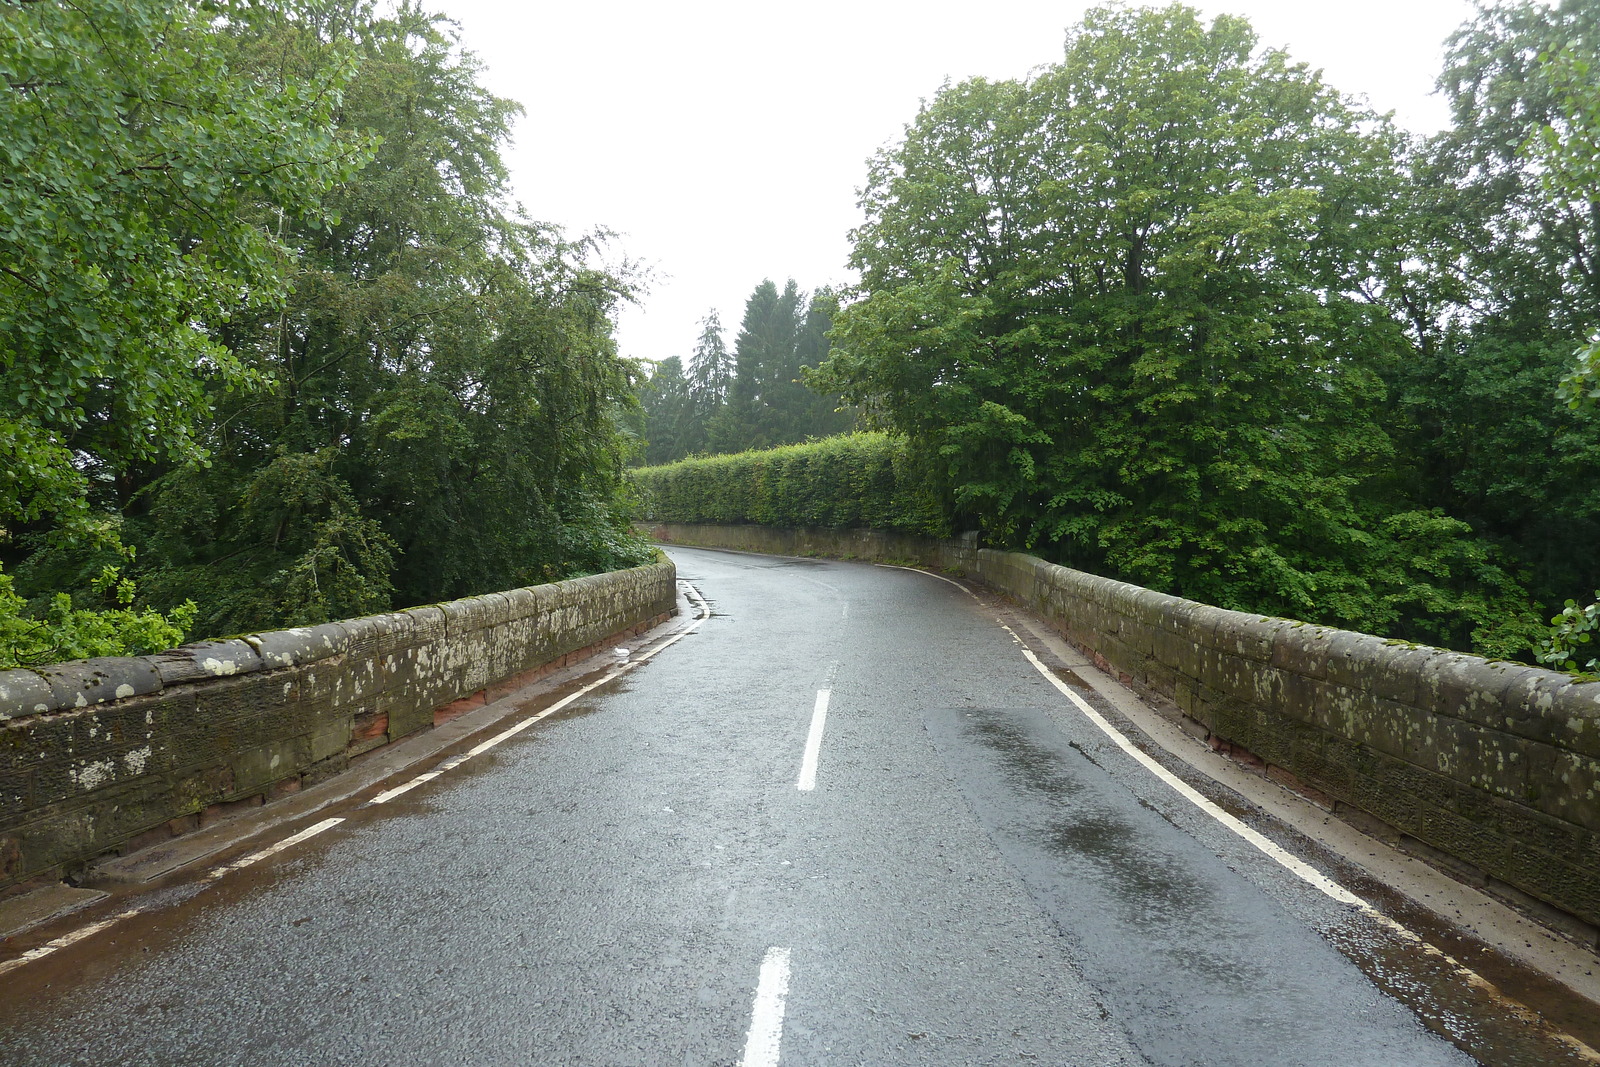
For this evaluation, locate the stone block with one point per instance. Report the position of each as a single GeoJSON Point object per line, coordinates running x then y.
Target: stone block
{"type": "Point", "coordinates": [304, 644]}
{"type": "Point", "coordinates": [237, 713]}
{"type": "Point", "coordinates": [1529, 705]}
{"type": "Point", "coordinates": [1474, 757]}
{"type": "Point", "coordinates": [1122, 600]}
{"type": "Point", "coordinates": [1334, 765]}
{"type": "Point", "coordinates": [1150, 607]}
{"type": "Point", "coordinates": [1567, 785]}
{"type": "Point", "coordinates": [1229, 718]}
{"type": "Point", "coordinates": [404, 698]}
{"type": "Point", "coordinates": [1381, 725]}
{"type": "Point", "coordinates": [363, 636]}
{"type": "Point", "coordinates": [428, 624]}
{"type": "Point", "coordinates": [1138, 636]}
{"type": "Point", "coordinates": [1555, 879]}
{"type": "Point", "coordinates": [1159, 677]}
{"type": "Point", "coordinates": [1576, 706]}
{"type": "Point", "coordinates": [1302, 648]}
{"type": "Point", "coordinates": [1123, 659]}
{"type": "Point", "coordinates": [65, 756]}
{"type": "Point", "coordinates": [1466, 687]}
{"type": "Point", "coordinates": [67, 835]}
{"type": "Point", "coordinates": [1247, 636]}
{"type": "Point", "coordinates": [1463, 839]}
{"type": "Point", "coordinates": [1383, 668]}
{"type": "Point", "coordinates": [1194, 621]}
{"type": "Point", "coordinates": [327, 689]}
{"type": "Point", "coordinates": [23, 693]}
{"type": "Point", "coordinates": [473, 613]}
{"type": "Point", "coordinates": [1246, 680]}
{"type": "Point", "coordinates": [329, 741]}
{"type": "Point", "coordinates": [83, 683]}
{"type": "Point", "coordinates": [202, 660]}
{"type": "Point", "coordinates": [395, 632]}
{"type": "Point", "coordinates": [369, 729]}
{"type": "Point", "coordinates": [257, 768]}
{"type": "Point", "coordinates": [1522, 822]}
{"type": "Point", "coordinates": [1179, 653]}
{"type": "Point", "coordinates": [1395, 792]}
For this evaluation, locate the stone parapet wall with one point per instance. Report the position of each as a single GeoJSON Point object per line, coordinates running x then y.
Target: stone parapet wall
{"type": "Point", "coordinates": [1494, 764]}
{"type": "Point", "coordinates": [101, 755]}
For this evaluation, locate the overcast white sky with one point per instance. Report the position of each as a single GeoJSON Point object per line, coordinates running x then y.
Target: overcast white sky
{"type": "Point", "coordinates": [725, 142]}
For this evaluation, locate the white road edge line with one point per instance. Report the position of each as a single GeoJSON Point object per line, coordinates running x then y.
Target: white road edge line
{"type": "Point", "coordinates": [64, 940]}
{"type": "Point", "coordinates": [611, 675]}
{"type": "Point", "coordinates": [272, 850]}
{"type": "Point", "coordinates": [930, 574]}
{"type": "Point", "coordinates": [1298, 867]}
{"type": "Point", "coordinates": [1288, 860]}
{"type": "Point", "coordinates": [766, 1014]}
{"type": "Point", "coordinates": [387, 795]}
{"type": "Point", "coordinates": [808, 762]}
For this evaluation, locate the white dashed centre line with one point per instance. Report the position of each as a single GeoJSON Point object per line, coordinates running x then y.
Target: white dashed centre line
{"type": "Point", "coordinates": [808, 762]}
{"type": "Point", "coordinates": [766, 1015]}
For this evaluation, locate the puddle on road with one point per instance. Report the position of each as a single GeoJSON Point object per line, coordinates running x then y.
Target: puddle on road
{"type": "Point", "coordinates": [1073, 680]}
{"type": "Point", "coordinates": [1023, 761]}
{"type": "Point", "coordinates": [1537, 1001]}
{"type": "Point", "coordinates": [1475, 1019]}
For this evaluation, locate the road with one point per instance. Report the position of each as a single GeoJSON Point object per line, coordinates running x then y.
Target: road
{"type": "Point", "coordinates": [843, 821]}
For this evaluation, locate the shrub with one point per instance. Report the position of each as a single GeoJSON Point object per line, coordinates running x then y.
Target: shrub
{"type": "Point", "coordinates": [863, 480]}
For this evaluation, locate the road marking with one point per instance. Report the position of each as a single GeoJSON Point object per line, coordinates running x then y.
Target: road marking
{"type": "Point", "coordinates": [1298, 867]}
{"type": "Point", "coordinates": [1287, 860]}
{"type": "Point", "coordinates": [272, 850]}
{"type": "Point", "coordinates": [761, 1041]}
{"type": "Point", "coordinates": [387, 795]}
{"type": "Point", "coordinates": [930, 574]}
{"type": "Point", "coordinates": [808, 762]}
{"type": "Point", "coordinates": [90, 930]}
{"type": "Point", "coordinates": [610, 675]}
{"type": "Point", "coordinates": [64, 940]}
{"type": "Point", "coordinates": [1304, 871]}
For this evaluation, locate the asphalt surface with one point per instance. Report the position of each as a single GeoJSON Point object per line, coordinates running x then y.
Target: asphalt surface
{"type": "Point", "coordinates": [979, 876]}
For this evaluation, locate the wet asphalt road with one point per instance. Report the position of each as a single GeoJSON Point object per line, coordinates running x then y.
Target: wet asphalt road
{"type": "Point", "coordinates": [979, 877]}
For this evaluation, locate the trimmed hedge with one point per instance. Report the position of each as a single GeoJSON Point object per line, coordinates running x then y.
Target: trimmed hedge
{"type": "Point", "coordinates": [855, 481]}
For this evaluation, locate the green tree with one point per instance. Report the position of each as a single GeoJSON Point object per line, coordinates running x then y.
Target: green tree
{"type": "Point", "coordinates": [1129, 304]}
{"type": "Point", "coordinates": [146, 182]}
{"type": "Point", "coordinates": [445, 417]}
{"type": "Point", "coordinates": [711, 370]}
{"type": "Point", "coordinates": [1568, 149]}
{"type": "Point", "coordinates": [671, 426]}
{"type": "Point", "coordinates": [1502, 285]}
{"type": "Point", "coordinates": [64, 631]}
{"type": "Point", "coordinates": [763, 350]}
{"type": "Point", "coordinates": [769, 402]}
